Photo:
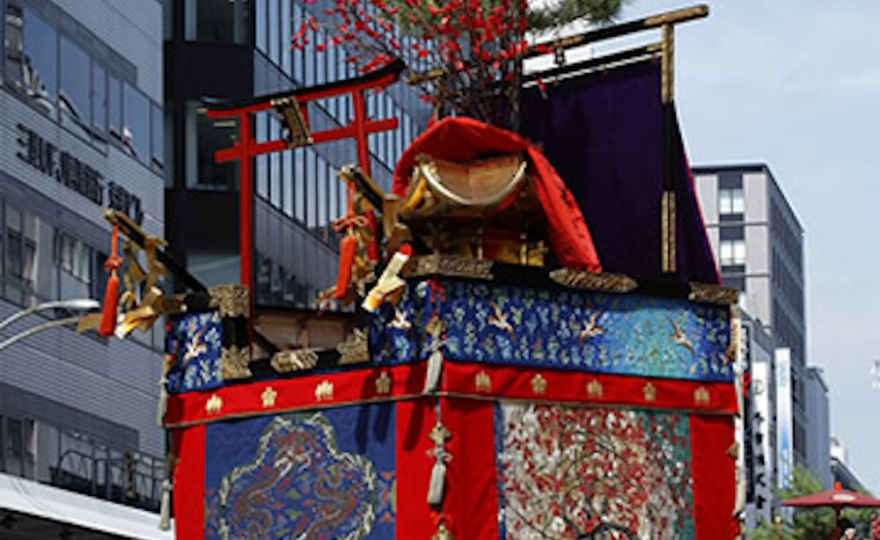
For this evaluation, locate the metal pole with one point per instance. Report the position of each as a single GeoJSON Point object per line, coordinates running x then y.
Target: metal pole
{"type": "Point", "coordinates": [40, 328]}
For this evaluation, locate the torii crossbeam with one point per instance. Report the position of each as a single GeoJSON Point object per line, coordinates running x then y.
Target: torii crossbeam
{"type": "Point", "coordinates": [293, 106]}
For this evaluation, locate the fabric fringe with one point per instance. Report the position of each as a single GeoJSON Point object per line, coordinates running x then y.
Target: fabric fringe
{"type": "Point", "coordinates": [435, 366]}
{"type": "Point", "coordinates": [438, 479]}
{"type": "Point", "coordinates": [165, 511]}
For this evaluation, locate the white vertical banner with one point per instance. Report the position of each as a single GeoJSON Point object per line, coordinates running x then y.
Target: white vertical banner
{"type": "Point", "coordinates": [784, 436]}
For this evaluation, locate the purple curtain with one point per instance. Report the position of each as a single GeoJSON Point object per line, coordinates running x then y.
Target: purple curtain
{"type": "Point", "coordinates": [603, 133]}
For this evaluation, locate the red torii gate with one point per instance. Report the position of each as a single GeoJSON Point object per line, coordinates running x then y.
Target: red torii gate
{"type": "Point", "coordinates": [293, 105]}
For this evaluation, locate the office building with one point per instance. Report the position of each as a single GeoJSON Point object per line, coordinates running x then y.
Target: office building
{"type": "Point", "coordinates": [81, 131]}
{"type": "Point", "coordinates": [758, 242]}
{"type": "Point", "coordinates": [760, 425]}
{"type": "Point", "coordinates": [841, 468]}
{"type": "Point", "coordinates": [232, 50]}
{"type": "Point", "coordinates": [819, 434]}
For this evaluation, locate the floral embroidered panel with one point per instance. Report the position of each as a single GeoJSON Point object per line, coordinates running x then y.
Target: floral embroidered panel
{"type": "Point", "coordinates": [323, 475]}
{"type": "Point", "coordinates": [195, 342]}
{"type": "Point", "coordinates": [556, 328]}
{"type": "Point", "coordinates": [574, 472]}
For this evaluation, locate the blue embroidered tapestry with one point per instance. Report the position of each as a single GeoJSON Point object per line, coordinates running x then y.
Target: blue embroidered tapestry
{"type": "Point", "coordinates": [321, 475]}
{"type": "Point", "coordinates": [195, 339]}
{"type": "Point", "coordinates": [556, 328]}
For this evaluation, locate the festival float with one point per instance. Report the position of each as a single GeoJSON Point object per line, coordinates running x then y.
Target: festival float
{"type": "Point", "coordinates": [529, 339]}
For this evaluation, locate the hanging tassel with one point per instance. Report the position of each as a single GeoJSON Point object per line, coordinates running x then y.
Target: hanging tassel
{"type": "Point", "coordinates": [347, 249]}
{"type": "Point", "coordinates": [111, 295]}
{"type": "Point", "coordinates": [432, 377]}
{"type": "Point", "coordinates": [438, 480]}
{"type": "Point", "coordinates": [163, 402]}
{"type": "Point", "coordinates": [165, 512]}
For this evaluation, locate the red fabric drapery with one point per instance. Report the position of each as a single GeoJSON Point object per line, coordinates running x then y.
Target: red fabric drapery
{"type": "Point", "coordinates": [466, 139]}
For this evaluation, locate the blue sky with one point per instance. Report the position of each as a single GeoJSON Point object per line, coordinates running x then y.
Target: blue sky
{"type": "Point", "coordinates": [796, 84]}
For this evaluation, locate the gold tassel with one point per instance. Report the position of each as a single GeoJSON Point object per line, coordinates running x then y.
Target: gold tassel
{"type": "Point", "coordinates": [435, 366]}
{"type": "Point", "coordinates": [438, 479]}
{"type": "Point", "coordinates": [165, 512]}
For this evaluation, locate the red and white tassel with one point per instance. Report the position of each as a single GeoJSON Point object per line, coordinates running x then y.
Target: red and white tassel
{"type": "Point", "coordinates": [435, 367]}
{"type": "Point", "coordinates": [438, 481]}
{"type": "Point", "coordinates": [111, 295]}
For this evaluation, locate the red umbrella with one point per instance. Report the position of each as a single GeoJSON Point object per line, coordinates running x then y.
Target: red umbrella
{"type": "Point", "coordinates": [836, 498]}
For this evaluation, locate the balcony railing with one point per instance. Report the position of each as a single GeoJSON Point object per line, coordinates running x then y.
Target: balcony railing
{"type": "Point", "coordinates": [45, 453]}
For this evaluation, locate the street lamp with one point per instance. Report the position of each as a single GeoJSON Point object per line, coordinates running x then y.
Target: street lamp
{"type": "Point", "coordinates": [77, 304]}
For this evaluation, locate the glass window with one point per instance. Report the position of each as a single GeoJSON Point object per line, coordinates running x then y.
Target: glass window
{"type": "Point", "coordinates": [311, 189]}
{"type": "Point", "coordinates": [285, 36]}
{"type": "Point", "coordinates": [334, 195]}
{"type": "Point", "coordinates": [287, 181]}
{"type": "Point", "coordinates": [204, 137]}
{"type": "Point", "coordinates": [157, 132]}
{"type": "Point", "coordinates": [297, 52]}
{"type": "Point", "coordinates": [136, 132]}
{"type": "Point", "coordinates": [225, 21]}
{"type": "Point", "coordinates": [321, 60]}
{"type": "Point", "coordinates": [733, 252]}
{"type": "Point", "coordinates": [75, 76]}
{"type": "Point", "coordinates": [261, 14]}
{"type": "Point", "coordinates": [262, 161]}
{"type": "Point", "coordinates": [731, 201]}
{"type": "Point", "coordinates": [274, 27]}
{"type": "Point", "coordinates": [322, 192]}
{"type": "Point", "coordinates": [309, 54]}
{"type": "Point", "coordinates": [39, 72]}
{"type": "Point", "coordinates": [275, 165]}
{"type": "Point", "coordinates": [114, 105]}
{"type": "Point", "coordinates": [299, 182]}
{"type": "Point", "coordinates": [99, 97]}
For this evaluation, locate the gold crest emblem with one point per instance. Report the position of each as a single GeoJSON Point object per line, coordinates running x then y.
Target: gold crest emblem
{"type": "Point", "coordinates": [650, 392]}
{"type": "Point", "coordinates": [268, 396]}
{"type": "Point", "coordinates": [539, 384]}
{"type": "Point", "coordinates": [594, 389]}
{"type": "Point", "coordinates": [383, 383]}
{"type": "Point", "coordinates": [324, 391]}
{"type": "Point", "coordinates": [483, 382]}
{"type": "Point", "coordinates": [214, 404]}
{"type": "Point", "coordinates": [701, 396]}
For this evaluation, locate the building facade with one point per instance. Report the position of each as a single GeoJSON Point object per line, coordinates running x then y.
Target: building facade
{"type": "Point", "coordinates": [841, 470]}
{"type": "Point", "coordinates": [819, 434]}
{"type": "Point", "coordinates": [81, 131]}
{"type": "Point", "coordinates": [758, 242]}
{"type": "Point", "coordinates": [760, 424]}
{"type": "Point", "coordinates": [230, 50]}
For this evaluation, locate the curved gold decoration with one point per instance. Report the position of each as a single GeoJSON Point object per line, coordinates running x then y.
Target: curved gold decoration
{"type": "Point", "coordinates": [450, 265]}
{"type": "Point", "coordinates": [294, 360]}
{"type": "Point", "coordinates": [354, 350]}
{"type": "Point", "coordinates": [235, 362]}
{"type": "Point", "coordinates": [479, 183]}
{"type": "Point", "coordinates": [707, 293]}
{"type": "Point", "coordinates": [231, 300]}
{"type": "Point", "coordinates": [591, 281]}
